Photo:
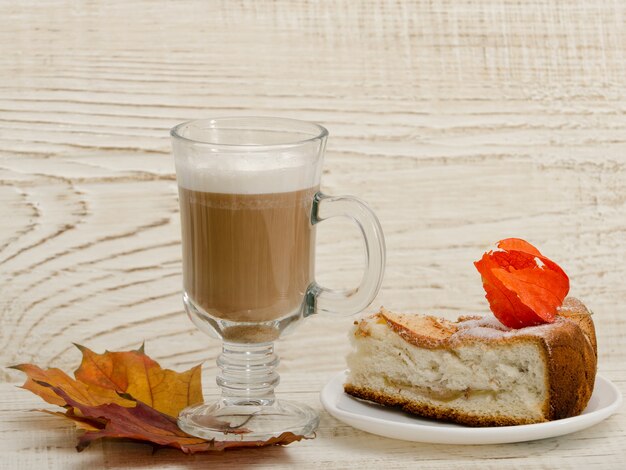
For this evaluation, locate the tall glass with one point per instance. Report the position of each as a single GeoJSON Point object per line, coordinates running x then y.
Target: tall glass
{"type": "Point", "coordinates": [249, 203]}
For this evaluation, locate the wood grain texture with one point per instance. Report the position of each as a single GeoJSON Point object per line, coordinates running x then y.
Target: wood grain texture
{"type": "Point", "coordinates": [460, 121]}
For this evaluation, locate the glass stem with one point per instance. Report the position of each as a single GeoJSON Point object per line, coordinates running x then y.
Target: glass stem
{"type": "Point", "coordinates": [248, 373]}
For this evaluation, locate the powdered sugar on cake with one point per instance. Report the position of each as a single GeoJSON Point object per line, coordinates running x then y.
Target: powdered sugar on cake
{"type": "Point", "coordinates": [489, 327]}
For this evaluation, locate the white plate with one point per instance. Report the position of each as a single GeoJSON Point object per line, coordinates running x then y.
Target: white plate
{"type": "Point", "coordinates": [390, 422]}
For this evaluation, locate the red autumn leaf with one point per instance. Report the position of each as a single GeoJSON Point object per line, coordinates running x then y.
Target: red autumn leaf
{"type": "Point", "coordinates": [523, 287]}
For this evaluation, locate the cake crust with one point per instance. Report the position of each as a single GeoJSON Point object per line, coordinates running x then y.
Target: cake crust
{"type": "Point", "coordinates": [430, 411]}
{"type": "Point", "coordinates": [568, 347]}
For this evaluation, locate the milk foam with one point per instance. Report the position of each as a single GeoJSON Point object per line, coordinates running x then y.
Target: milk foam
{"type": "Point", "coordinates": [242, 176]}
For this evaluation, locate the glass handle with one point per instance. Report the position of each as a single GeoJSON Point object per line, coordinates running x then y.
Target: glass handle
{"type": "Point", "coordinates": [348, 302]}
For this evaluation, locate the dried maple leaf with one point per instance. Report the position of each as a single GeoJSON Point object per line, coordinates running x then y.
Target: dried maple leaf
{"type": "Point", "coordinates": [103, 401]}
{"type": "Point", "coordinates": [86, 393]}
{"type": "Point", "coordinates": [144, 423]}
{"type": "Point", "coordinates": [140, 422]}
{"type": "Point", "coordinates": [135, 373]}
{"type": "Point", "coordinates": [86, 424]}
{"type": "Point", "coordinates": [523, 287]}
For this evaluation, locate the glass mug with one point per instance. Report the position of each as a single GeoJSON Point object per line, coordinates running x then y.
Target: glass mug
{"type": "Point", "coordinates": [249, 202]}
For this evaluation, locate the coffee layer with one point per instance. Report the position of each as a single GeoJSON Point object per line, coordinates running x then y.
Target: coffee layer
{"type": "Point", "coordinates": [247, 257]}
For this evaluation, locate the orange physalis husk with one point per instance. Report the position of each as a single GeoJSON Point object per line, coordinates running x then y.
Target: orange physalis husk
{"type": "Point", "coordinates": [523, 287]}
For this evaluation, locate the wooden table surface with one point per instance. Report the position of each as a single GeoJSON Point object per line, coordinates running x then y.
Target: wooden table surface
{"type": "Point", "coordinates": [460, 121]}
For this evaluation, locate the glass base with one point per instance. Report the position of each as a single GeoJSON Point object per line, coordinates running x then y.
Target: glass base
{"type": "Point", "coordinates": [225, 421]}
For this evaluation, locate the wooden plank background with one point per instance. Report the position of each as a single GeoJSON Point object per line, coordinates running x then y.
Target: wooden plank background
{"type": "Point", "coordinates": [460, 121]}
